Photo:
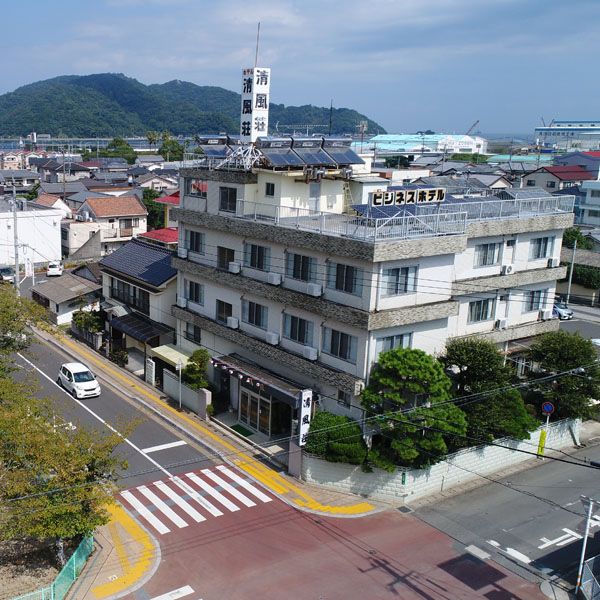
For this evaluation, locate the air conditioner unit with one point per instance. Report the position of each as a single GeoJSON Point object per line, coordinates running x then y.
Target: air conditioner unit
{"type": "Point", "coordinates": [274, 278]}
{"type": "Point", "coordinates": [508, 269]}
{"type": "Point", "coordinates": [553, 262]}
{"type": "Point", "coordinates": [235, 267]}
{"type": "Point", "coordinates": [233, 322]}
{"type": "Point", "coordinates": [182, 252]}
{"type": "Point", "coordinates": [181, 302]}
{"type": "Point", "coordinates": [314, 289]}
{"type": "Point", "coordinates": [546, 315]}
{"type": "Point", "coordinates": [272, 338]}
{"type": "Point", "coordinates": [501, 324]}
{"type": "Point", "coordinates": [310, 353]}
{"type": "Point", "coordinates": [80, 217]}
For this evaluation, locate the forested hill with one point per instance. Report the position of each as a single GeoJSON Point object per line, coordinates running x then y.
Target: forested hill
{"type": "Point", "coordinates": [109, 104]}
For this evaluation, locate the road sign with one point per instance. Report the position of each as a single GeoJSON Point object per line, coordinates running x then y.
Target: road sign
{"type": "Point", "coordinates": [542, 443]}
{"type": "Point", "coordinates": [548, 408]}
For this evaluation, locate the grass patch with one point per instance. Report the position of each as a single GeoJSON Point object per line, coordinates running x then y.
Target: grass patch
{"type": "Point", "coordinates": [242, 430]}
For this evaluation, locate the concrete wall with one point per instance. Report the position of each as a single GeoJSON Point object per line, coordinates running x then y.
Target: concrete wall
{"type": "Point", "coordinates": [194, 400]}
{"type": "Point", "coordinates": [456, 470]}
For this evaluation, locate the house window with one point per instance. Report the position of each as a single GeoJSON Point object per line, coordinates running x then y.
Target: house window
{"type": "Point", "coordinates": [224, 310]}
{"type": "Point", "coordinates": [551, 184]}
{"type": "Point", "coordinates": [595, 193]}
{"type": "Point", "coordinates": [344, 278]}
{"type": "Point", "coordinates": [257, 257]}
{"type": "Point", "coordinates": [339, 344]}
{"type": "Point", "coordinates": [530, 183]}
{"type": "Point", "coordinates": [130, 295]}
{"type": "Point", "coordinates": [298, 266]}
{"type": "Point", "coordinates": [224, 257]}
{"type": "Point", "coordinates": [227, 199]}
{"type": "Point", "coordinates": [254, 314]}
{"type": "Point", "coordinates": [391, 342]}
{"type": "Point", "coordinates": [194, 241]}
{"type": "Point", "coordinates": [487, 254]}
{"type": "Point", "coordinates": [269, 189]}
{"type": "Point", "coordinates": [481, 310]}
{"type": "Point", "coordinates": [534, 300]}
{"type": "Point", "coordinates": [194, 291]}
{"type": "Point", "coordinates": [399, 281]}
{"type": "Point", "coordinates": [298, 330]}
{"type": "Point", "coordinates": [541, 248]}
{"type": "Point", "coordinates": [129, 223]}
{"type": "Point", "coordinates": [195, 187]}
{"type": "Point", "coordinates": [344, 398]}
{"type": "Point", "coordinates": [192, 333]}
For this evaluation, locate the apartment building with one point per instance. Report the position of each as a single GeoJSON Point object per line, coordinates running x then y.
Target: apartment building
{"type": "Point", "coordinates": [292, 287]}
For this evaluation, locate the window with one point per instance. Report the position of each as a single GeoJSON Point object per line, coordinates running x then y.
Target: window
{"type": "Point", "coordinates": [551, 184]}
{"type": "Point", "coordinates": [224, 310]}
{"type": "Point", "coordinates": [298, 330]}
{"type": "Point", "coordinates": [541, 248]}
{"type": "Point", "coordinates": [194, 241]}
{"type": "Point", "coordinates": [391, 342]}
{"type": "Point", "coordinates": [257, 257]}
{"type": "Point", "coordinates": [129, 223]}
{"type": "Point", "coordinates": [534, 300]}
{"type": "Point", "coordinates": [399, 281]}
{"type": "Point", "coordinates": [345, 278]}
{"type": "Point", "coordinates": [339, 344]}
{"type": "Point", "coordinates": [131, 295]}
{"type": "Point", "coordinates": [487, 254]}
{"type": "Point", "coordinates": [595, 193]}
{"type": "Point", "coordinates": [254, 314]}
{"type": "Point", "coordinates": [227, 199]}
{"type": "Point", "coordinates": [530, 183]}
{"type": "Point", "coordinates": [298, 266]}
{"type": "Point", "coordinates": [195, 187]}
{"type": "Point", "coordinates": [192, 333]}
{"type": "Point", "coordinates": [344, 398]}
{"type": "Point", "coordinates": [481, 310]}
{"type": "Point", "coordinates": [194, 291]}
{"type": "Point", "coordinates": [269, 189]}
{"type": "Point", "coordinates": [224, 257]}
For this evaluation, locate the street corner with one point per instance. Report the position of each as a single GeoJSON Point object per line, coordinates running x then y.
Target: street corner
{"type": "Point", "coordinates": [360, 509]}
{"type": "Point", "coordinates": [133, 556]}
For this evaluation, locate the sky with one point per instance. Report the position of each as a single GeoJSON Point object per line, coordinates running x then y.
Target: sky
{"type": "Point", "coordinates": [410, 65]}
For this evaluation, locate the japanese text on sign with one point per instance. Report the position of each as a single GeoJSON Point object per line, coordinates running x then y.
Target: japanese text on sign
{"type": "Point", "coordinates": [254, 121]}
{"type": "Point", "coordinates": [399, 197]}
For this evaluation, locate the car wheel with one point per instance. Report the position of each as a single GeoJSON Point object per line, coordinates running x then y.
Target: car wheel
{"type": "Point", "coordinates": [59, 381]}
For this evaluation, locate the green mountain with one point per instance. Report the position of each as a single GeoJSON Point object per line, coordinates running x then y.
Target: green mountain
{"type": "Point", "coordinates": [110, 104]}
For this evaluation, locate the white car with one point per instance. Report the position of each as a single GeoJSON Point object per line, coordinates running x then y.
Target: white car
{"type": "Point", "coordinates": [7, 274]}
{"type": "Point", "coordinates": [562, 311]}
{"type": "Point", "coordinates": [79, 380]}
{"type": "Point", "coordinates": [54, 270]}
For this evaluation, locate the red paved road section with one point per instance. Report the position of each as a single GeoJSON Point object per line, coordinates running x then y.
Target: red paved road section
{"type": "Point", "coordinates": [272, 551]}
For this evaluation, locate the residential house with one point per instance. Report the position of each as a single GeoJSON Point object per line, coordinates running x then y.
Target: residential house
{"type": "Point", "coordinates": [557, 178]}
{"type": "Point", "coordinates": [159, 183]}
{"type": "Point", "coordinates": [22, 180]}
{"type": "Point", "coordinates": [588, 210]}
{"type": "Point", "coordinates": [139, 286]}
{"type": "Point", "coordinates": [150, 161]}
{"type": "Point", "coordinates": [167, 237]}
{"type": "Point", "coordinates": [590, 161]}
{"type": "Point", "coordinates": [52, 201]}
{"type": "Point", "coordinates": [170, 202]}
{"type": "Point", "coordinates": [64, 190]}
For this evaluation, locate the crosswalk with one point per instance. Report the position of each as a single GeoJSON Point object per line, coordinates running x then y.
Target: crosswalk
{"type": "Point", "coordinates": [192, 498]}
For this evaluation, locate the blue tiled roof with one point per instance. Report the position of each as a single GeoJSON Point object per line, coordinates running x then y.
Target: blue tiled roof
{"type": "Point", "coordinates": [149, 263]}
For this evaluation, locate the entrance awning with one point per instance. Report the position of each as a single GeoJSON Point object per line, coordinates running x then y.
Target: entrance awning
{"type": "Point", "coordinates": [170, 353]}
{"type": "Point", "coordinates": [139, 327]}
{"type": "Point", "coordinates": [258, 379]}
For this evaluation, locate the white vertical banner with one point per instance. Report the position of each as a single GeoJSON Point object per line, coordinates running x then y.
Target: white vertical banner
{"type": "Point", "coordinates": [28, 266]}
{"type": "Point", "coordinates": [254, 121]}
{"type": "Point", "coordinates": [304, 417]}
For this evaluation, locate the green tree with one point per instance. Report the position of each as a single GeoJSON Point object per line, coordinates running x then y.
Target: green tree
{"type": "Point", "coordinates": [171, 150]}
{"type": "Point", "coordinates": [587, 276]}
{"type": "Point", "coordinates": [476, 367]}
{"type": "Point", "coordinates": [409, 395]}
{"type": "Point", "coordinates": [56, 480]}
{"type": "Point", "coordinates": [574, 233]}
{"type": "Point", "coordinates": [559, 351]}
{"type": "Point", "coordinates": [336, 438]}
{"type": "Point", "coordinates": [165, 136]}
{"type": "Point", "coordinates": [194, 373]}
{"type": "Point", "coordinates": [33, 194]}
{"type": "Point", "coordinates": [156, 211]}
{"type": "Point", "coordinates": [153, 137]}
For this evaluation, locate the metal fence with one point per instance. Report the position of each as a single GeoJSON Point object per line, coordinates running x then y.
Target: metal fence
{"type": "Point", "coordinates": [67, 577]}
{"type": "Point", "coordinates": [590, 587]}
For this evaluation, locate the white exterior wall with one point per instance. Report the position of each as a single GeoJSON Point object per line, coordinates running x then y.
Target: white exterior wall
{"type": "Point", "coordinates": [38, 230]}
{"type": "Point", "coordinates": [160, 304]}
{"type": "Point", "coordinates": [79, 233]}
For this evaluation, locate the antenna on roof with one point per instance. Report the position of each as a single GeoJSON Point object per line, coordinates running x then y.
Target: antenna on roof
{"type": "Point", "coordinates": [257, 40]}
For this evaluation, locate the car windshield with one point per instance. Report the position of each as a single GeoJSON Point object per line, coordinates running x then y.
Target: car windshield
{"type": "Point", "coordinates": [6, 271]}
{"type": "Point", "coordinates": [560, 305]}
{"type": "Point", "coordinates": [83, 376]}
{"type": "Point", "coordinates": [54, 266]}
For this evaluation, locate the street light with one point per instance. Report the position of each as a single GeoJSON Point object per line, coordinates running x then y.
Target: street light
{"type": "Point", "coordinates": [179, 367]}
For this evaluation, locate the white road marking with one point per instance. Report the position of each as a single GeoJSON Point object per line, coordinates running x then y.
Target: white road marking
{"type": "Point", "coordinates": [172, 494]}
{"type": "Point", "coordinates": [243, 483]}
{"type": "Point", "coordinates": [216, 495]}
{"type": "Point", "coordinates": [164, 509]}
{"type": "Point", "coordinates": [478, 552]}
{"type": "Point", "coordinates": [164, 446]}
{"type": "Point", "coordinates": [510, 552]}
{"type": "Point", "coordinates": [186, 590]}
{"type": "Point", "coordinates": [568, 537]}
{"type": "Point", "coordinates": [144, 512]}
{"type": "Point", "coordinates": [194, 495]}
{"type": "Point", "coordinates": [228, 488]}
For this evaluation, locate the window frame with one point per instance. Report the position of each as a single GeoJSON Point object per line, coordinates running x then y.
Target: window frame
{"type": "Point", "coordinates": [535, 300]}
{"type": "Point", "coordinates": [226, 202]}
{"type": "Point", "coordinates": [478, 305]}
{"type": "Point", "coordinates": [341, 277]}
{"type": "Point", "coordinates": [223, 311]}
{"type": "Point", "coordinates": [542, 247]}
{"type": "Point", "coordinates": [398, 340]}
{"type": "Point", "coordinates": [224, 252]}
{"type": "Point", "coordinates": [269, 189]}
{"type": "Point", "coordinates": [296, 265]}
{"type": "Point", "coordinates": [257, 257]}
{"type": "Point", "coordinates": [298, 329]}
{"type": "Point", "coordinates": [197, 297]}
{"type": "Point", "coordinates": [196, 334]}
{"type": "Point", "coordinates": [198, 236]}
{"type": "Point", "coordinates": [255, 314]}
{"type": "Point", "coordinates": [190, 184]}
{"type": "Point", "coordinates": [399, 281]}
{"type": "Point", "coordinates": [340, 345]}
{"type": "Point", "coordinates": [482, 254]}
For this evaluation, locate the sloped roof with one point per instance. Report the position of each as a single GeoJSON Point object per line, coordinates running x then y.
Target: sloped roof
{"type": "Point", "coordinates": [143, 261]}
{"type": "Point", "coordinates": [150, 176]}
{"type": "Point", "coordinates": [594, 154]}
{"type": "Point", "coordinates": [149, 158]}
{"type": "Point", "coordinates": [170, 199]}
{"type": "Point", "coordinates": [116, 206]}
{"type": "Point", "coordinates": [569, 172]}
{"type": "Point", "coordinates": [47, 199]}
{"type": "Point", "coordinates": [64, 288]}
{"type": "Point", "coordinates": [166, 236]}
{"type": "Point", "coordinates": [71, 187]}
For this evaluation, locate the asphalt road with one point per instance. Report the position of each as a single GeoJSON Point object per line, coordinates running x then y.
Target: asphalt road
{"type": "Point", "coordinates": [530, 522]}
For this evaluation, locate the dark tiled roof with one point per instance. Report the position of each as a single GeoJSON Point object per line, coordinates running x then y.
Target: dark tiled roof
{"type": "Point", "coordinates": [141, 260]}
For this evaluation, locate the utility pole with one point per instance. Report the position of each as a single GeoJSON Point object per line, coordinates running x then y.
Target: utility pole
{"type": "Point", "coordinates": [64, 177]}
{"type": "Point", "coordinates": [15, 239]}
{"type": "Point", "coordinates": [571, 273]}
